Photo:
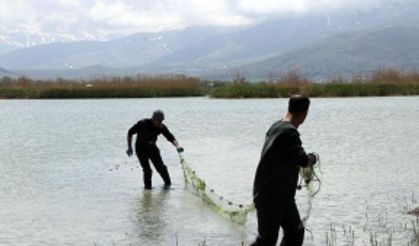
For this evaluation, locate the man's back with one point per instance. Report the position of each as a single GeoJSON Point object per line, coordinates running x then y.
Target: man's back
{"type": "Point", "coordinates": [277, 177]}
{"type": "Point", "coordinates": [147, 133]}
{"type": "Point", "coordinates": [277, 172]}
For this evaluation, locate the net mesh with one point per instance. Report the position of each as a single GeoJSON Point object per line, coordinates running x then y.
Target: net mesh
{"type": "Point", "coordinates": [233, 211]}
{"type": "Point", "coordinates": [309, 179]}
{"type": "Point", "coordinates": [237, 213]}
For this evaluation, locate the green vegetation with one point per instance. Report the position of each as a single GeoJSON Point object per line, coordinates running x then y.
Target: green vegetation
{"type": "Point", "coordinates": [139, 87]}
{"type": "Point", "coordinates": [380, 83]}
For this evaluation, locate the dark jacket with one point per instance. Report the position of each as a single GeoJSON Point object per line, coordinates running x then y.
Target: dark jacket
{"type": "Point", "coordinates": [277, 173]}
{"type": "Point", "coordinates": [147, 133]}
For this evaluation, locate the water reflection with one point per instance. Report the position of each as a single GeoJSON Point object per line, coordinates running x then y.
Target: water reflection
{"type": "Point", "coordinates": [151, 214]}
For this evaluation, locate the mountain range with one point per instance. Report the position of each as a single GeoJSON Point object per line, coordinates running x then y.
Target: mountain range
{"type": "Point", "coordinates": [317, 45]}
{"type": "Point", "coordinates": [4, 72]}
{"type": "Point", "coordinates": [345, 55]}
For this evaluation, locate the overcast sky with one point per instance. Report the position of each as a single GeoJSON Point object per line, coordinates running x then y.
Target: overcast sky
{"type": "Point", "coordinates": [129, 16]}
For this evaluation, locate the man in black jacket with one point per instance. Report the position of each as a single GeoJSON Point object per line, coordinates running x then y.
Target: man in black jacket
{"type": "Point", "coordinates": [277, 177]}
{"type": "Point", "coordinates": [146, 149]}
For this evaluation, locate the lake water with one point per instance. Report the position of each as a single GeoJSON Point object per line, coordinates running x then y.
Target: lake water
{"type": "Point", "coordinates": [59, 184]}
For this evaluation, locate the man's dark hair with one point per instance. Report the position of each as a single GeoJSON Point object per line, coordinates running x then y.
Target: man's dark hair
{"type": "Point", "coordinates": [298, 103]}
{"type": "Point", "coordinates": [158, 115]}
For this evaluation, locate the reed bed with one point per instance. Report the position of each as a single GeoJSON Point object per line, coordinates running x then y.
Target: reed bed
{"type": "Point", "coordinates": [128, 87]}
{"type": "Point", "coordinates": [386, 82]}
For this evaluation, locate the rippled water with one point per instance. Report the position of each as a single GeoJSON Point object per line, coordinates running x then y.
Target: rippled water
{"type": "Point", "coordinates": [60, 185]}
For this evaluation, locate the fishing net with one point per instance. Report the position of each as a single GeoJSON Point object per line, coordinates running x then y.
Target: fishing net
{"type": "Point", "coordinates": [309, 179]}
{"type": "Point", "coordinates": [238, 212]}
{"type": "Point", "coordinates": [233, 211]}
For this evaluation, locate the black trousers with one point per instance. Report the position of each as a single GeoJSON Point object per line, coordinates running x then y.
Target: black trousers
{"type": "Point", "coordinates": [152, 153]}
{"type": "Point", "coordinates": [271, 216]}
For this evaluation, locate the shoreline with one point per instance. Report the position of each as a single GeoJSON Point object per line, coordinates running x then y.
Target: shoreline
{"type": "Point", "coordinates": [225, 91]}
{"type": "Point", "coordinates": [329, 90]}
{"type": "Point", "coordinates": [193, 96]}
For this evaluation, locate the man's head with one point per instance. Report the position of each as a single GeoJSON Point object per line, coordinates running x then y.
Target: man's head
{"type": "Point", "coordinates": [158, 117]}
{"type": "Point", "coordinates": [298, 107]}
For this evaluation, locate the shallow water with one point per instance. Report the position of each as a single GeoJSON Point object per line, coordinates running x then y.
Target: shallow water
{"type": "Point", "coordinates": [65, 178]}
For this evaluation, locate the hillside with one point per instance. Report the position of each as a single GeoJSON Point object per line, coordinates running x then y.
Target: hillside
{"type": "Point", "coordinates": [134, 50]}
{"type": "Point", "coordinates": [345, 55]}
{"type": "Point", "coordinates": [283, 34]}
{"type": "Point", "coordinates": [4, 72]}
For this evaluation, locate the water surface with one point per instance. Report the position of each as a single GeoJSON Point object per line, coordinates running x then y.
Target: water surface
{"type": "Point", "coordinates": [65, 179]}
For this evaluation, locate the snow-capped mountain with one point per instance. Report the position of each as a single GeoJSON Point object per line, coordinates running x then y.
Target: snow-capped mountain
{"type": "Point", "coordinates": [18, 40]}
{"type": "Point", "coordinates": [195, 50]}
{"type": "Point", "coordinates": [134, 50]}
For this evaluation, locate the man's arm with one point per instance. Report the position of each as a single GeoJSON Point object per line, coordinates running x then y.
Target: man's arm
{"type": "Point", "coordinates": [133, 130]}
{"type": "Point", "coordinates": [169, 136]}
{"type": "Point", "coordinates": [129, 140]}
{"type": "Point", "coordinates": [298, 153]}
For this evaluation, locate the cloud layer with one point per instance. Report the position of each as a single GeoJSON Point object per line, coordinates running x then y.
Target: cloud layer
{"type": "Point", "coordinates": [105, 18]}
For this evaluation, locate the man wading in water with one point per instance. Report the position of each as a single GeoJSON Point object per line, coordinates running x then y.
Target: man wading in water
{"type": "Point", "coordinates": [276, 178]}
{"type": "Point", "coordinates": [146, 149]}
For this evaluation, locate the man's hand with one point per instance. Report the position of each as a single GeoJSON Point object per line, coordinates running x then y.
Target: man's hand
{"type": "Point", "coordinates": [312, 159]}
{"type": "Point", "coordinates": [179, 149]}
{"type": "Point", "coordinates": [129, 152]}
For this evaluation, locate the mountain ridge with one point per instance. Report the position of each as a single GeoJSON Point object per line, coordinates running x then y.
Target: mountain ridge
{"type": "Point", "coordinates": [4, 72]}
{"type": "Point", "coordinates": [345, 55]}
